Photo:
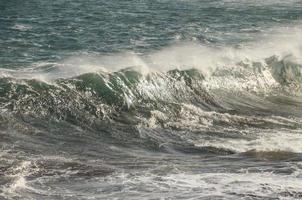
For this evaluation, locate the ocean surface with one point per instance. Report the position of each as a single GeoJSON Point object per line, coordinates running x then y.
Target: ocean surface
{"type": "Point", "coordinates": [150, 99]}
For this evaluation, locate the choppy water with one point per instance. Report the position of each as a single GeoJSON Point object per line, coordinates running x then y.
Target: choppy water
{"type": "Point", "coordinates": [151, 99]}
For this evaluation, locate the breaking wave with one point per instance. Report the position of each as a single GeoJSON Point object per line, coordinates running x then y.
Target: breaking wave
{"type": "Point", "coordinates": [229, 99]}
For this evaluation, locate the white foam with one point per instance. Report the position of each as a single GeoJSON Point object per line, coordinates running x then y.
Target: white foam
{"type": "Point", "coordinates": [19, 174]}
{"type": "Point", "coordinates": [249, 138]}
{"type": "Point", "coordinates": [266, 141]}
{"type": "Point", "coordinates": [209, 185]}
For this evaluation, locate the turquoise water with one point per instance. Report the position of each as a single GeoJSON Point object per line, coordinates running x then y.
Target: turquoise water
{"type": "Point", "coordinates": [141, 99]}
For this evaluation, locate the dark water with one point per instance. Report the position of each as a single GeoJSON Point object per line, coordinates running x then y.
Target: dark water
{"type": "Point", "coordinates": [161, 99]}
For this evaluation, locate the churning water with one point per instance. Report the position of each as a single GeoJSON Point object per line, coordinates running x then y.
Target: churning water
{"type": "Point", "coordinates": [151, 99]}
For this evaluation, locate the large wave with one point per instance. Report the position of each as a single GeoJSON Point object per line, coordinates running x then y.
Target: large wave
{"type": "Point", "coordinates": [227, 91]}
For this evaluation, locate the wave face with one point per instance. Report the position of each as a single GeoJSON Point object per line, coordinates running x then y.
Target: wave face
{"type": "Point", "coordinates": [151, 100]}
